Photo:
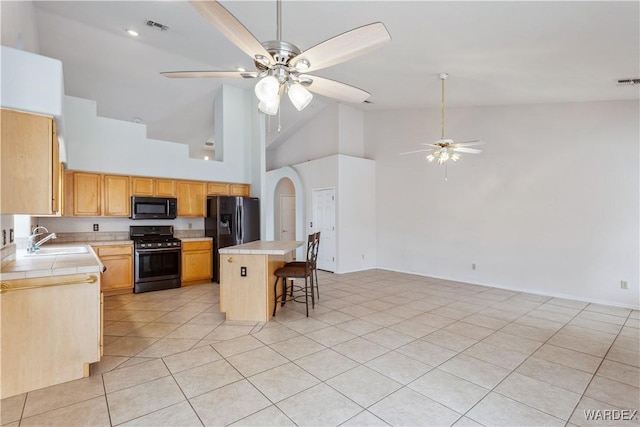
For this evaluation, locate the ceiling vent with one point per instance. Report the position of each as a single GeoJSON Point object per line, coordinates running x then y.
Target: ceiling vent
{"type": "Point", "coordinates": [628, 82]}
{"type": "Point", "coordinates": [156, 25]}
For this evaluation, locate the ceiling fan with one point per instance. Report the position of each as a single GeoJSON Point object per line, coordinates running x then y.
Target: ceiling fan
{"type": "Point", "coordinates": [282, 66]}
{"type": "Point", "coordinates": [445, 149]}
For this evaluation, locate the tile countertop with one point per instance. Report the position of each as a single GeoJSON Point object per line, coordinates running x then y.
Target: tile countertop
{"type": "Point", "coordinates": [263, 247]}
{"type": "Point", "coordinates": [42, 265]}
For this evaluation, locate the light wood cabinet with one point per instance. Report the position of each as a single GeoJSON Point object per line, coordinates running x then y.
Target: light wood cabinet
{"type": "Point", "coordinates": [226, 189]}
{"type": "Point", "coordinates": [87, 194]}
{"type": "Point", "coordinates": [197, 260]}
{"type": "Point", "coordinates": [118, 277]}
{"type": "Point", "coordinates": [165, 187]}
{"type": "Point", "coordinates": [239, 190]}
{"type": "Point", "coordinates": [50, 333]}
{"type": "Point", "coordinates": [153, 187]}
{"type": "Point", "coordinates": [141, 186]}
{"type": "Point", "coordinates": [191, 198]}
{"type": "Point", "coordinates": [117, 198]}
{"type": "Point", "coordinates": [30, 164]}
{"type": "Point", "coordinates": [217, 189]}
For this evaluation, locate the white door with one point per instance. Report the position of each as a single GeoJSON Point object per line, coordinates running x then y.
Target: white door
{"type": "Point", "coordinates": [324, 221]}
{"type": "Point", "coordinates": [287, 217]}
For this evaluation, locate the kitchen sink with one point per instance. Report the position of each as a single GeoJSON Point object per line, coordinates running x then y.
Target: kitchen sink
{"type": "Point", "coordinates": [69, 250]}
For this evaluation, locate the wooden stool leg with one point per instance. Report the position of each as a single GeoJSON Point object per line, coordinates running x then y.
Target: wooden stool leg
{"type": "Point", "coordinates": [275, 294]}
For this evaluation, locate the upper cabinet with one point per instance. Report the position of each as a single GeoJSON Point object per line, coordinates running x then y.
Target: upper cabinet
{"type": "Point", "coordinates": [95, 194]}
{"type": "Point", "coordinates": [117, 197]}
{"type": "Point", "coordinates": [226, 189]}
{"type": "Point", "coordinates": [191, 198]}
{"type": "Point", "coordinates": [31, 172]}
{"type": "Point", "coordinates": [158, 187]}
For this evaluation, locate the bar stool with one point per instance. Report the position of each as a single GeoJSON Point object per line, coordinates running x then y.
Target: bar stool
{"type": "Point", "coordinates": [314, 266]}
{"type": "Point", "coordinates": [296, 270]}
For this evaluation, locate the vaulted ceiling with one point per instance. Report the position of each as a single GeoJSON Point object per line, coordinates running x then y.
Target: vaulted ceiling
{"type": "Point", "coordinates": [496, 53]}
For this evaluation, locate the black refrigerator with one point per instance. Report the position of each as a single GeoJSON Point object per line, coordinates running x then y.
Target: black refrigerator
{"type": "Point", "coordinates": [231, 221]}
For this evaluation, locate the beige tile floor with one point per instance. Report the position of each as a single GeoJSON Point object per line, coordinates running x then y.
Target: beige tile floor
{"type": "Point", "coordinates": [380, 348]}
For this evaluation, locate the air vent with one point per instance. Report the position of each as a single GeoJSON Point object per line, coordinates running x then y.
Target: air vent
{"type": "Point", "coordinates": [628, 82]}
{"type": "Point", "coordinates": [157, 25]}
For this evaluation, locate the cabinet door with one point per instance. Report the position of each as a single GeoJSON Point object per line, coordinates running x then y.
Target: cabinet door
{"type": "Point", "coordinates": [118, 260]}
{"type": "Point", "coordinates": [191, 198]}
{"type": "Point", "coordinates": [239, 190]}
{"type": "Point", "coordinates": [67, 205]}
{"type": "Point", "coordinates": [117, 199]}
{"type": "Point", "coordinates": [217, 189]}
{"type": "Point", "coordinates": [165, 187]}
{"type": "Point", "coordinates": [87, 194]}
{"type": "Point", "coordinates": [26, 153]}
{"type": "Point", "coordinates": [57, 173]}
{"type": "Point", "coordinates": [196, 265]}
{"type": "Point", "coordinates": [141, 186]}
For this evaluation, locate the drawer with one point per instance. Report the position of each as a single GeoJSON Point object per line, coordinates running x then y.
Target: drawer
{"type": "Point", "coordinates": [196, 246]}
{"type": "Point", "coordinates": [113, 250]}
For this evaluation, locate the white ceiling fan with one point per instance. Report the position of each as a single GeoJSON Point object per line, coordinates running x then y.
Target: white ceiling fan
{"type": "Point", "coordinates": [282, 66]}
{"type": "Point", "coordinates": [445, 149]}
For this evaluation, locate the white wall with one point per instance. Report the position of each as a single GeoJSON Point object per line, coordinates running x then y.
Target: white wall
{"type": "Point", "coordinates": [106, 145]}
{"type": "Point", "coordinates": [551, 206]}
{"type": "Point", "coordinates": [317, 139]}
{"type": "Point", "coordinates": [356, 218]}
{"type": "Point", "coordinates": [355, 206]}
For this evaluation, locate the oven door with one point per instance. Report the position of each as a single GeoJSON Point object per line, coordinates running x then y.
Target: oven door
{"type": "Point", "coordinates": [157, 264]}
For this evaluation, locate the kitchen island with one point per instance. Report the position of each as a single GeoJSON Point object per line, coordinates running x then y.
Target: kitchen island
{"type": "Point", "coordinates": [246, 277]}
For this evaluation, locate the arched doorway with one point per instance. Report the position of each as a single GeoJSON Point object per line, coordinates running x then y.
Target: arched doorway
{"type": "Point", "coordinates": [272, 203]}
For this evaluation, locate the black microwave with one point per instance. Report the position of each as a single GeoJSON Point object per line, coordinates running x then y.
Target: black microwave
{"type": "Point", "coordinates": [154, 207]}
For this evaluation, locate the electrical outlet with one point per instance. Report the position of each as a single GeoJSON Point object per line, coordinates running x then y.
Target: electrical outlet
{"type": "Point", "coordinates": [362, 256]}
{"type": "Point", "coordinates": [189, 225]}
{"type": "Point", "coordinates": [473, 266]}
{"type": "Point", "coordinates": [624, 284]}
{"type": "Point", "coordinates": [243, 271]}
{"type": "Point", "coordinates": [96, 227]}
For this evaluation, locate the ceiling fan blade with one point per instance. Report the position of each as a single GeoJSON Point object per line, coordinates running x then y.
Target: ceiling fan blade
{"type": "Point", "coordinates": [334, 89]}
{"type": "Point", "coordinates": [467, 150]}
{"type": "Point", "coordinates": [231, 28]}
{"type": "Point", "coordinates": [345, 46]}
{"type": "Point", "coordinates": [469, 143]}
{"type": "Point", "coordinates": [209, 74]}
{"type": "Point", "coordinates": [430, 145]}
{"type": "Point", "coordinates": [416, 151]}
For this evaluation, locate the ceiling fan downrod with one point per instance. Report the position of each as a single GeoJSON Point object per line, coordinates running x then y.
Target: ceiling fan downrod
{"type": "Point", "coordinates": [443, 77]}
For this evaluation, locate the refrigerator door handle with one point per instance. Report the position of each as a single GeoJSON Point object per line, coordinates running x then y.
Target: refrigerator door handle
{"type": "Point", "coordinates": [238, 225]}
{"type": "Point", "coordinates": [241, 224]}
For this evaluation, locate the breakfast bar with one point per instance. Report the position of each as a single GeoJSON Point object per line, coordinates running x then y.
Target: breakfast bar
{"type": "Point", "coordinates": [246, 277]}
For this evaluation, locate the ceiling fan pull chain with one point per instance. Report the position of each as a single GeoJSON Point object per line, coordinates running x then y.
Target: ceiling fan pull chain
{"type": "Point", "coordinates": [279, 122]}
{"type": "Point", "coordinates": [446, 175]}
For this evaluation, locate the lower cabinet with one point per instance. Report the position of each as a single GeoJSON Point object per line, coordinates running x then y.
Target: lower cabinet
{"type": "Point", "coordinates": [51, 331]}
{"type": "Point", "coordinates": [118, 277]}
{"type": "Point", "coordinates": [196, 262]}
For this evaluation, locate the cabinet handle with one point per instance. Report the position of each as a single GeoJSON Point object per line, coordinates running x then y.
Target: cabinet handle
{"type": "Point", "coordinates": [230, 259]}
{"type": "Point", "coordinates": [5, 287]}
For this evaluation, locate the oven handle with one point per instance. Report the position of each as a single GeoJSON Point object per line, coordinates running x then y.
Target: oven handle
{"type": "Point", "coordinates": [142, 251]}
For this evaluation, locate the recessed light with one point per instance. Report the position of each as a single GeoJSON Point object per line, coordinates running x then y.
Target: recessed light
{"type": "Point", "coordinates": [132, 33]}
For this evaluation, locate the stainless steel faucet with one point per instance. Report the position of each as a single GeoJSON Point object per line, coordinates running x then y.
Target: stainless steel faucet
{"type": "Point", "coordinates": [32, 245]}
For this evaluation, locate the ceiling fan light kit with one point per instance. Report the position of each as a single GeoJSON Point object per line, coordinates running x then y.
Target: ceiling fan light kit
{"type": "Point", "coordinates": [445, 149]}
{"type": "Point", "coordinates": [280, 64]}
